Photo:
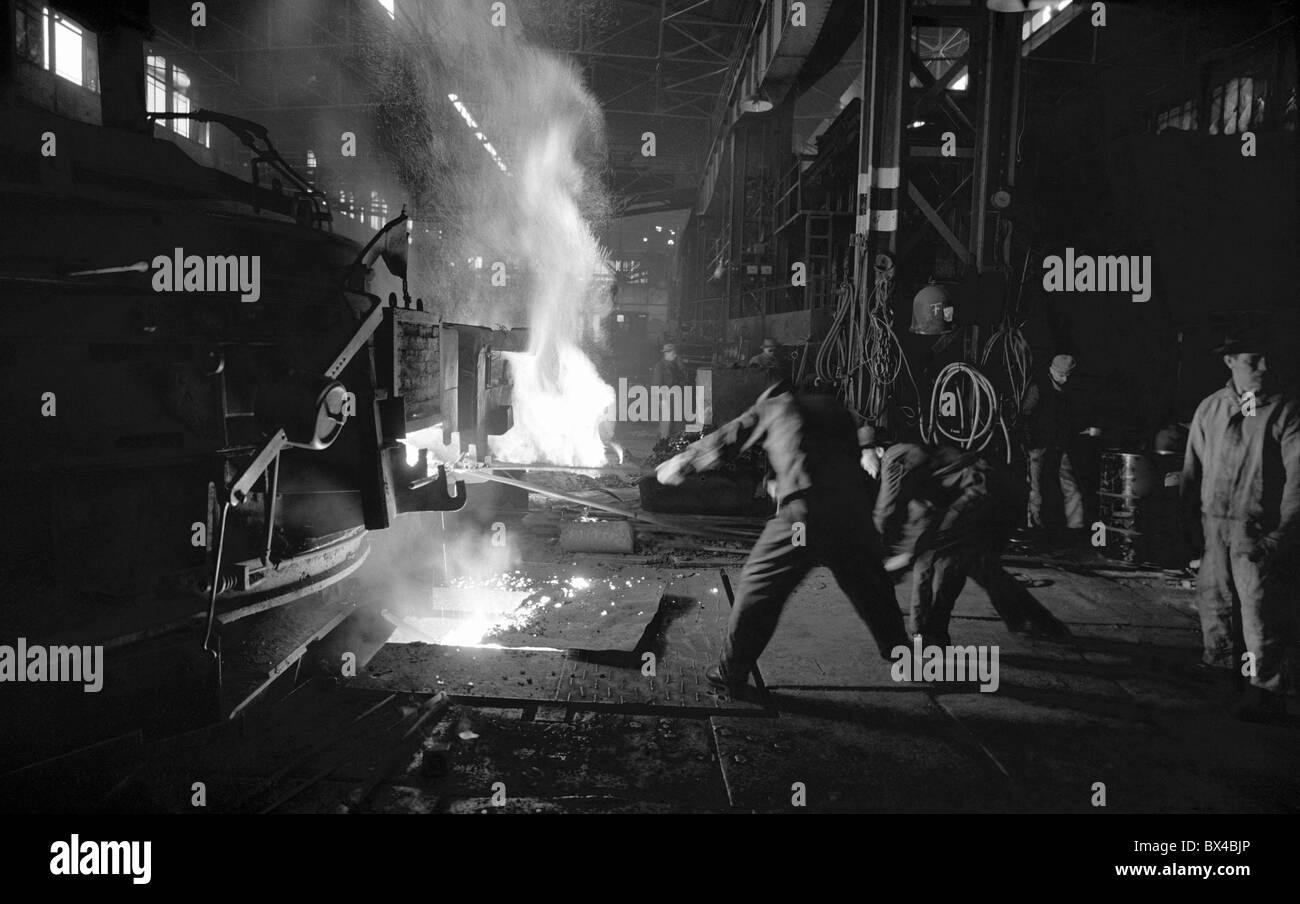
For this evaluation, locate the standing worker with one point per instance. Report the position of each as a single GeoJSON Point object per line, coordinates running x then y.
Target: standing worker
{"type": "Point", "coordinates": [823, 516]}
{"type": "Point", "coordinates": [1241, 476]}
{"type": "Point", "coordinates": [1048, 418]}
{"type": "Point", "coordinates": [950, 514]}
{"type": "Point", "coordinates": [769, 360]}
{"type": "Point", "coordinates": [667, 373]}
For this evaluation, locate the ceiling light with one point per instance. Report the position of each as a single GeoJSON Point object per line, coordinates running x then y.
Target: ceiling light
{"type": "Point", "coordinates": [758, 102]}
{"type": "Point", "coordinates": [1017, 6]}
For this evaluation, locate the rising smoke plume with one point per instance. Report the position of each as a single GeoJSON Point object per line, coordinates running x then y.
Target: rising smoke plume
{"type": "Point", "coordinates": [500, 149]}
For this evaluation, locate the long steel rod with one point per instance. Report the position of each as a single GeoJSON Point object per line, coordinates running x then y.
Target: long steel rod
{"type": "Point", "coordinates": [577, 500]}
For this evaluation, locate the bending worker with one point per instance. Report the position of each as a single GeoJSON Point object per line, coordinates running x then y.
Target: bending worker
{"type": "Point", "coordinates": [1241, 476]}
{"type": "Point", "coordinates": [950, 514]}
{"type": "Point", "coordinates": [822, 517]}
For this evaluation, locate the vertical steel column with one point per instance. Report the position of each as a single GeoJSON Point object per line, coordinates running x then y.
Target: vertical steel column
{"type": "Point", "coordinates": [1012, 60]}
{"type": "Point", "coordinates": [884, 79]}
{"type": "Point", "coordinates": [866, 133]}
{"type": "Point", "coordinates": [997, 120]}
{"type": "Point", "coordinates": [983, 58]}
{"type": "Point", "coordinates": [735, 225]}
{"type": "Point", "coordinates": [891, 83]}
{"type": "Point", "coordinates": [886, 26]}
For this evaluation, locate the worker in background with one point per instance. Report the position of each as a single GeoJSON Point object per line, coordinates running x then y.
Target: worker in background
{"type": "Point", "coordinates": [872, 449]}
{"type": "Point", "coordinates": [823, 516]}
{"type": "Point", "coordinates": [769, 360]}
{"type": "Point", "coordinates": [1241, 477]}
{"type": "Point", "coordinates": [949, 514]}
{"type": "Point", "coordinates": [1048, 425]}
{"type": "Point", "coordinates": [668, 372]}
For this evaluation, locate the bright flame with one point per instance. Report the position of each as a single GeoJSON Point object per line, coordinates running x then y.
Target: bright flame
{"type": "Point", "coordinates": [468, 634]}
{"type": "Point", "coordinates": [559, 400]}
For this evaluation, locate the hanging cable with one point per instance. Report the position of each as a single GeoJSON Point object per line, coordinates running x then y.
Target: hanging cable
{"type": "Point", "coordinates": [974, 428]}
{"type": "Point", "coordinates": [1008, 348]}
{"type": "Point", "coordinates": [861, 353]}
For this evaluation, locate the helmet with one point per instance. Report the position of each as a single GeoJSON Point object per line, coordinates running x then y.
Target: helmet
{"type": "Point", "coordinates": [932, 311]}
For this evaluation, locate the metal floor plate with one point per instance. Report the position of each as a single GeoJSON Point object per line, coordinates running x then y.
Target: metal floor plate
{"type": "Point", "coordinates": [683, 636]}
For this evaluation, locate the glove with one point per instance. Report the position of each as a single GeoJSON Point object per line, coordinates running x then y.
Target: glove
{"type": "Point", "coordinates": [672, 472]}
{"type": "Point", "coordinates": [897, 563]}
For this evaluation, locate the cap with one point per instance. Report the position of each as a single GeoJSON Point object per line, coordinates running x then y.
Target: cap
{"type": "Point", "coordinates": [769, 343]}
{"type": "Point", "coordinates": [669, 347]}
{"type": "Point", "coordinates": [1063, 364]}
{"type": "Point", "coordinates": [1241, 342]}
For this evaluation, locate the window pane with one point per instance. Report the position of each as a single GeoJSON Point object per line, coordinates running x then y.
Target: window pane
{"type": "Point", "coordinates": [29, 35]}
{"type": "Point", "coordinates": [90, 61]}
{"type": "Point", "coordinates": [181, 104]}
{"type": "Point", "coordinates": [67, 50]}
{"type": "Point", "coordinates": [155, 95]}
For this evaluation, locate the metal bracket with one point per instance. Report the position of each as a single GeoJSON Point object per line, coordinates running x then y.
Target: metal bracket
{"type": "Point", "coordinates": [269, 452]}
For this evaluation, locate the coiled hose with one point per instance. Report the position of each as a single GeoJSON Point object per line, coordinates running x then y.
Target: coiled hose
{"type": "Point", "coordinates": [976, 427]}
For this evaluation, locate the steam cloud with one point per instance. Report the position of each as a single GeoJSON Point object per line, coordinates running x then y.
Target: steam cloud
{"type": "Point", "coordinates": [537, 218]}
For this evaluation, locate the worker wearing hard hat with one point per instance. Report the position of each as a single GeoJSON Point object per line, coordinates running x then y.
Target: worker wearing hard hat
{"type": "Point", "coordinates": [1047, 418]}
{"type": "Point", "coordinates": [823, 515]}
{"type": "Point", "coordinates": [949, 514]}
{"type": "Point", "coordinates": [1241, 480]}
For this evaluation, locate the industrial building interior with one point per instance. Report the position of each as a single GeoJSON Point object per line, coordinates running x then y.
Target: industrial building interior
{"type": "Point", "coordinates": [341, 482]}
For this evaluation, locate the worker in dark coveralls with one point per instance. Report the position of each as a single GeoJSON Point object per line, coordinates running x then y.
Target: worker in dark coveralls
{"type": "Point", "coordinates": [769, 360]}
{"type": "Point", "coordinates": [949, 514]}
{"type": "Point", "coordinates": [1241, 477]}
{"type": "Point", "coordinates": [667, 373]}
{"type": "Point", "coordinates": [1046, 410]}
{"type": "Point", "coordinates": [823, 515]}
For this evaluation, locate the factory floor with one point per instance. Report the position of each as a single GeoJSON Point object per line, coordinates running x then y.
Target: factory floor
{"type": "Point", "coordinates": [1120, 716]}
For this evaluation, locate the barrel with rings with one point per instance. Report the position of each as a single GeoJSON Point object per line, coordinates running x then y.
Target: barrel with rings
{"type": "Point", "coordinates": [1139, 507]}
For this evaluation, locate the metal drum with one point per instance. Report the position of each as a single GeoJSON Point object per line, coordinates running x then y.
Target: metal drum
{"type": "Point", "coordinates": [1139, 505]}
{"type": "Point", "coordinates": [1128, 474]}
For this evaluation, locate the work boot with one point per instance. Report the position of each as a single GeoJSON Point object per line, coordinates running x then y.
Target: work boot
{"type": "Point", "coordinates": [715, 675]}
{"type": "Point", "coordinates": [1263, 707]}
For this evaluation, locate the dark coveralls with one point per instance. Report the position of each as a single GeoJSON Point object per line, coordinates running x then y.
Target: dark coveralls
{"type": "Point", "coordinates": [667, 374]}
{"type": "Point", "coordinates": [955, 512]}
{"type": "Point", "coordinates": [1048, 419]}
{"type": "Point", "coordinates": [823, 516]}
